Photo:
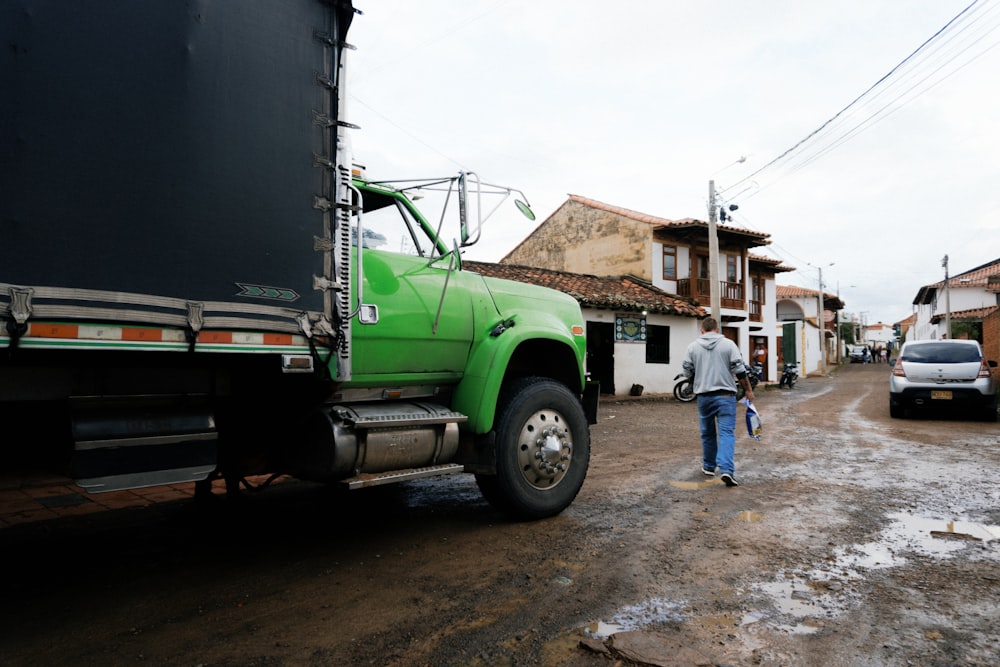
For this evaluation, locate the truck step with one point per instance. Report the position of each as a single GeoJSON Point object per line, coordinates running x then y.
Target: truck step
{"type": "Point", "coordinates": [376, 479]}
{"type": "Point", "coordinates": [400, 415]}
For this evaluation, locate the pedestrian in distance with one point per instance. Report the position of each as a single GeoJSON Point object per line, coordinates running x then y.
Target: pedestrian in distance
{"type": "Point", "coordinates": [760, 357]}
{"type": "Point", "coordinates": [711, 362]}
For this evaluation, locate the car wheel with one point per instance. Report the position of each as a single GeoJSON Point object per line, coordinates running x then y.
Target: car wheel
{"type": "Point", "coordinates": [896, 411]}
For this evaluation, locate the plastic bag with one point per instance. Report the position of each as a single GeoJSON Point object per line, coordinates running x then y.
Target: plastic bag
{"type": "Point", "coordinates": [753, 419]}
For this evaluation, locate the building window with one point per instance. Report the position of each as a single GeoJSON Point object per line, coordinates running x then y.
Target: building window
{"type": "Point", "coordinates": [657, 344]}
{"type": "Point", "coordinates": [731, 268]}
{"type": "Point", "coordinates": [669, 262]}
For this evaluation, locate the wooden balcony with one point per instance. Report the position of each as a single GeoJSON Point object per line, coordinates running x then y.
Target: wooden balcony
{"type": "Point", "coordinates": [730, 294]}
{"type": "Point", "coordinates": [756, 311]}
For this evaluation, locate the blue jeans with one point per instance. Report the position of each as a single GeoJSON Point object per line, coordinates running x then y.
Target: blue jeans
{"type": "Point", "coordinates": [717, 415]}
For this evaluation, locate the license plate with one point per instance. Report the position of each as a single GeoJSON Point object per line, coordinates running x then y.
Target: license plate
{"type": "Point", "coordinates": [940, 395]}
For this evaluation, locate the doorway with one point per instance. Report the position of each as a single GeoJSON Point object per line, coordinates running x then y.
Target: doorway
{"type": "Point", "coordinates": [601, 354]}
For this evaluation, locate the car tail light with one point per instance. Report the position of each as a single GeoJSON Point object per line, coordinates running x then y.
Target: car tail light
{"type": "Point", "coordinates": [898, 368]}
{"type": "Point", "coordinates": [984, 370]}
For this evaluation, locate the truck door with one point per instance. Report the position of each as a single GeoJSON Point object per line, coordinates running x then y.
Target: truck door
{"type": "Point", "coordinates": [425, 317]}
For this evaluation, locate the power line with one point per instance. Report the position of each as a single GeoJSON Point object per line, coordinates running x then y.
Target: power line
{"type": "Point", "coordinates": [891, 106]}
{"type": "Point", "coordinates": [845, 112]}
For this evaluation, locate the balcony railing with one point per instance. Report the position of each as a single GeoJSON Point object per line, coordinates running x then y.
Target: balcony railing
{"type": "Point", "coordinates": [730, 294]}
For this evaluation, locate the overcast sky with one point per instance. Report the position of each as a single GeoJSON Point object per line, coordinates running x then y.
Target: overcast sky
{"type": "Point", "coordinates": [863, 150]}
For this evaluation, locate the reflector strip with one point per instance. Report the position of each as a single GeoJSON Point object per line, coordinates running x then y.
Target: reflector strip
{"type": "Point", "coordinates": [51, 330]}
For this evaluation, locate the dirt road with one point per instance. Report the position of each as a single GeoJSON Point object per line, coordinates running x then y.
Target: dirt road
{"type": "Point", "coordinates": [854, 539]}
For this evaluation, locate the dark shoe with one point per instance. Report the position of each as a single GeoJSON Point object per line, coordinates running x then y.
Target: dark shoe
{"type": "Point", "coordinates": [708, 472]}
{"type": "Point", "coordinates": [729, 479]}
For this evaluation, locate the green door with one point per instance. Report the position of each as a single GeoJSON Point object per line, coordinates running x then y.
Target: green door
{"type": "Point", "coordinates": [789, 346]}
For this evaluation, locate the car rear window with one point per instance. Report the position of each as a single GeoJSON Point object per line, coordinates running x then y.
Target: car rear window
{"type": "Point", "coordinates": [941, 353]}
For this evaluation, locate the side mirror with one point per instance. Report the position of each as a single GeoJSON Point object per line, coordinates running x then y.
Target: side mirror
{"type": "Point", "coordinates": [524, 209]}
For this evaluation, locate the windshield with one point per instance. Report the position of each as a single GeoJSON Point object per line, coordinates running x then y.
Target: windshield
{"type": "Point", "coordinates": [942, 353]}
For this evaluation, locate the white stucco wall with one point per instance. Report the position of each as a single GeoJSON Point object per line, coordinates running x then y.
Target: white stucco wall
{"type": "Point", "coordinates": [630, 358]}
{"type": "Point", "coordinates": [960, 298]}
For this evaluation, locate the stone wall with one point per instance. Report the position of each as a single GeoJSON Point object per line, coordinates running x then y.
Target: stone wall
{"type": "Point", "coordinates": [581, 239]}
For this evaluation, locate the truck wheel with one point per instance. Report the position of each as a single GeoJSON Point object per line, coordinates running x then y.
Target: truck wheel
{"type": "Point", "coordinates": [542, 449]}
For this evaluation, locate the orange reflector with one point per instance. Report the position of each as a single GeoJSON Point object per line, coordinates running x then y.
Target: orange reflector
{"type": "Point", "coordinates": [142, 334]}
{"type": "Point", "coordinates": [577, 330]}
{"type": "Point", "coordinates": [54, 330]}
{"type": "Point", "coordinates": [296, 362]}
{"type": "Point", "coordinates": [277, 339]}
{"type": "Point", "coordinates": [215, 337]}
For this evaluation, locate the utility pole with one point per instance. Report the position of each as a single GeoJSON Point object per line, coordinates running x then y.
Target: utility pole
{"type": "Point", "coordinates": [819, 319]}
{"type": "Point", "coordinates": [713, 255]}
{"type": "Point", "coordinates": [947, 299]}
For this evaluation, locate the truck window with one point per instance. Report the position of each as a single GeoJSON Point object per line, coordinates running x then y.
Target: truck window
{"type": "Point", "coordinates": [389, 226]}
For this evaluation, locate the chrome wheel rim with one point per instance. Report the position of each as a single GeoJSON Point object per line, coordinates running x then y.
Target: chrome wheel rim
{"type": "Point", "coordinates": [544, 449]}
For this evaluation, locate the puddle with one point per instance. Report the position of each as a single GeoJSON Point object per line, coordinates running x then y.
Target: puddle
{"type": "Point", "coordinates": [636, 617]}
{"type": "Point", "coordinates": [691, 486]}
{"type": "Point", "coordinates": [803, 602]}
{"type": "Point", "coordinates": [909, 534]}
{"type": "Point", "coordinates": [800, 603]}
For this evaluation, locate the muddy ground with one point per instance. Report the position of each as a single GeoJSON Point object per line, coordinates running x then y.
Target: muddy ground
{"type": "Point", "coordinates": [854, 539]}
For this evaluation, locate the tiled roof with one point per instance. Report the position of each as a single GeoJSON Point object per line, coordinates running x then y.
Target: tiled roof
{"type": "Point", "coordinates": [664, 223]}
{"type": "Point", "coordinates": [973, 314]}
{"type": "Point", "coordinates": [625, 293]}
{"type": "Point", "coordinates": [986, 276]}
{"type": "Point", "coordinates": [771, 263]}
{"type": "Point", "coordinates": [977, 277]}
{"type": "Point", "coordinates": [793, 292]}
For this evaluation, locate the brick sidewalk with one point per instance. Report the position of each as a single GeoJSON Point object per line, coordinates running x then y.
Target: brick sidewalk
{"type": "Point", "coordinates": [27, 500]}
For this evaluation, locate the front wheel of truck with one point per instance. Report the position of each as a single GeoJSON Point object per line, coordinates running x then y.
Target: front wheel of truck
{"type": "Point", "coordinates": [542, 449]}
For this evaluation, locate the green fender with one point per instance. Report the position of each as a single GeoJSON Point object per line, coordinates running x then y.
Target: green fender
{"type": "Point", "coordinates": [553, 351]}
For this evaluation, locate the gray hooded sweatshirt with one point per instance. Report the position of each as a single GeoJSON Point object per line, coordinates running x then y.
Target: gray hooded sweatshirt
{"type": "Point", "coordinates": [712, 360]}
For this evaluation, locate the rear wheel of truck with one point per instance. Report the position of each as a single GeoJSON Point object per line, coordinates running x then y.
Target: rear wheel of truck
{"type": "Point", "coordinates": [542, 449]}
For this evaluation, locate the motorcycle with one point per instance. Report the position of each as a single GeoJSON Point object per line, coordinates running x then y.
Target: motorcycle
{"type": "Point", "coordinates": [683, 390]}
{"type": "Point", "coordinates": [755, 373]}
{"type": "Point", "coordinates": [789, 376]}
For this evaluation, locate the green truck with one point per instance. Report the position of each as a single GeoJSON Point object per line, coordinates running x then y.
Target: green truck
{"type": "Point", "coordinates": [197, 282]}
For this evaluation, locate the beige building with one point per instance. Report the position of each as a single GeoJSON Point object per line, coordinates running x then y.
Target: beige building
{"type": "Point", "coordinates": [591, 237]}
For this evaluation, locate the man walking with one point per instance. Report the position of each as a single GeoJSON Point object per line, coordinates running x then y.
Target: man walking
{"type": "Point", "coordinates": [711, 361]}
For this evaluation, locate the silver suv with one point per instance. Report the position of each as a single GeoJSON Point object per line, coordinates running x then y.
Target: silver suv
{"type": "Point", "coordinates": [950, 375]}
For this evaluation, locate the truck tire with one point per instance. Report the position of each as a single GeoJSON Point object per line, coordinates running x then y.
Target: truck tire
{"type": "Point", "coordinates": [542, 449]}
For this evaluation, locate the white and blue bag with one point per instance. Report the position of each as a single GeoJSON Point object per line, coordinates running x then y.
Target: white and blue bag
{"type": "Point", "coordinates": [753, 419]}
